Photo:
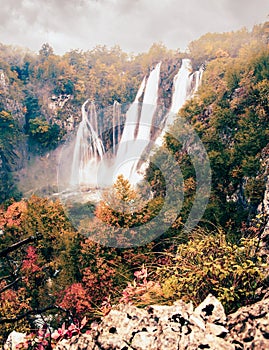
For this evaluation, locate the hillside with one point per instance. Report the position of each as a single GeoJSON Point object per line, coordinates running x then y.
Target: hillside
{"type": "Point", "coordinates": [51, 267]}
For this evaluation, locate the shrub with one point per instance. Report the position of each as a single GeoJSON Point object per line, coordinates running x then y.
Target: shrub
{"type": "Point", "coordinates": [211, 264]}
{"type": "Point", "coordinates": [142, 291]}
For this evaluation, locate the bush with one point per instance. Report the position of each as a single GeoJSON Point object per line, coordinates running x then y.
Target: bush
{"type": "Point", "coordinates": [211, 264]}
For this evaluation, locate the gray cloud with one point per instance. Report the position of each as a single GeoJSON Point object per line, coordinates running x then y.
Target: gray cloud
{"type": "Point", "coordinates": [132, 24]}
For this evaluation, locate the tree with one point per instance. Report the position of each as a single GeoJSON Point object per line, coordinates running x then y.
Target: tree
{"type": "Point", "coordinates": [10, 143]}
{"type": "Point", "coordinates": [46, 51]}
{"type": "Point", "coordinates": [123, 207]}
{"type": "Point", "coordinates": [32, 107]}
{"type": "Point", "coordinates": [117, 206]}
{"type": "Point", "coordinates": [35, 267]}
{"type": "Point", "coordinates": [45, 134]}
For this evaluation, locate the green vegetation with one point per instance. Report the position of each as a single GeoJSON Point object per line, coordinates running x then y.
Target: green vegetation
{"type": "Point", "coordinates": [209, 263]}
{"type": "Point", "coordinates": [49, 267]}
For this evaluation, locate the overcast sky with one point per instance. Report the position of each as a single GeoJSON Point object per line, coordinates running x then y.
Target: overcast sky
{"type": "Point", "coordinates": [132, 24]}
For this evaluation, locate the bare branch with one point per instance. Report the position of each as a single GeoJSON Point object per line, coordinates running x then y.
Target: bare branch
{"type": "Point", "coordinates": [29, 313]}
{"type": "Point", "coordinates": [19, 244]}
{"type": "Point", "coordinates": [10, 285]}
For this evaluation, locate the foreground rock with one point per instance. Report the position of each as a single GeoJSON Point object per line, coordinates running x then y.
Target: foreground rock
{"type": "Point", "coordinates": [175, 327]}
{"type": "Point", "coordinates": [179, 326]}
{"type": "Point", "coordinates": [249, 326]}
{"type": "Point", "coordinates": [13, 340]}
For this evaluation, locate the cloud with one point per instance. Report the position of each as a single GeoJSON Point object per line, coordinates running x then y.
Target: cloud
{"type": "Point", "coordinates": [132, 24]}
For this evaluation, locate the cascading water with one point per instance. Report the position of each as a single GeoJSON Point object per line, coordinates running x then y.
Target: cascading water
{"type": "Point", "coordinates": [136, 135]}
{"type": "Point", "coordinates": [93, 119]}
{"type": "Point", "coordinates": [131, 121]}
{"type": "Point", "coordinates": [198, 78]}
{"type": "Point", "coordinates": [181, 85]}
{"type": "Point", "coordinates": [185, 85]}
{"type": "Point", "coordinates": [89, 149]}
{"type": "Point", "coordinates": [116, 122]}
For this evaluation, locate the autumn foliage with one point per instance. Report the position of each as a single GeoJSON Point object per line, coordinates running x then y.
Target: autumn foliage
{"type": "Point", "coordinates": [70, 275]}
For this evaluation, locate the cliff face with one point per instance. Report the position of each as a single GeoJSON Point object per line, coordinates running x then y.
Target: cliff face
{"type": "Point", "coordinates": [179, 326]}
{"type": "Point", "coordinates": [12, 140]}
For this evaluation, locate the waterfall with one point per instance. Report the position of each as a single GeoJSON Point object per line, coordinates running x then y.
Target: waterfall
{"type": "Point", "coordinates": [116, 122]}
{"type": "Point", "coordinates": [93, 117]}
{"type": "Point", "coordinates": [131, 121]}
{"type": "Point", "coordinates": [88, 149]}
{"type": "Point", "coordinates": [183, 89]}
{"type": "Point", "coordinates": [149, 104]}
{"type": "Point", "coordinates": [185, 85]}
{"type": "Point", "coordinates": [136, 137]}
{"type": "Point", "coordinates": [136, 134]}
{"type": "Point", "coordinates": [181, 85]}
{"type": "Point", "coordinates": [198, 78]}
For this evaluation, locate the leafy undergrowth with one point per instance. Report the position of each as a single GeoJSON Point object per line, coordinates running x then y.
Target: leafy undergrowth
{"type": "Point", "coordinates": [45, 338]}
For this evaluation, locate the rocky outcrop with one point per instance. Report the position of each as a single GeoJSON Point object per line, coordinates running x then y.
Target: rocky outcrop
{"type": "Point", "coordinates": [62, 106]}
{"type": "Point", "coordinates": [175, 327]}
{"type": "Point", "coordinates": [59, 101]}
{"type": "Point", "coordinates": [3, 81]}
{"type": "Point", "coordinates": [249, 326]}
{"type": "Point", "coordinates": [179, 326]}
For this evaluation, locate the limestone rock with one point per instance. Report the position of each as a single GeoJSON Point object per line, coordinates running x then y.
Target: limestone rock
{"type": "Point", "coordinates": [178, 326]}
{"type": "Point", "coordinates": [211, 310]}
{"type": "Point", "coordinates": [13, 340]}
{"type": "Point", "coordinates": [249, 326]}
{"type": "Point", "coordinates": [158, 327]}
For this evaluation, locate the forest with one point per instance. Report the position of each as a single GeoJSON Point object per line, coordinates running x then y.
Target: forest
{"type": "Point", "coordinates": [51, 272]}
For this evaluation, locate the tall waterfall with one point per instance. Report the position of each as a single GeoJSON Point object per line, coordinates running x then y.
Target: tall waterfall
{"type": "Point", "coordinates": [88, 150]}
{"type": "Point", "coordinates": [185, 85]}
{"type": "Point", "coordinates": [136, 134]}
{"type": "Point", "coordinates": [136, 137]}
{"type": "Point", "coordinates": [116, 122]}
